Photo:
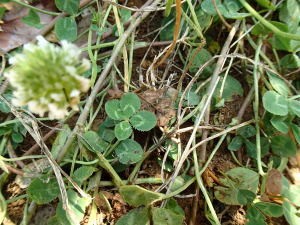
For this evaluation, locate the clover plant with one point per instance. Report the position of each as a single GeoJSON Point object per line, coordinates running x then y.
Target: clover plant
{"type": "Point", "coordinates": [127, 114]}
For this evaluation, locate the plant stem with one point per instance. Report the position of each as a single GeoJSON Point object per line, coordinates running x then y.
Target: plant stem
{"type": "Point", "coordinates": [256, 108]}
{"type": "Point", "coordinates": [35, 8]}
{"type": "Point", "coordinates": [268, 24]}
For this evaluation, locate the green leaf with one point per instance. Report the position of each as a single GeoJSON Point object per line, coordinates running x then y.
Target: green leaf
{"type": "Point", "coordinates": [236, 179]}
{"type": "Point", "coordinates": [173, 205]}
{"type": "Point", "coordinates": [162, 216]}
{"type": "Point", "coordinates": [129, 151]}
{"type": "Point", "coordinates": [251, 147]}
{"type": "Point", "coordinates": [199, 59]}
{"type": "Point", "coordinates": [255, 217]}
{"type": "Point", "coordinates": [279, 123]}
{"type": "Point", "coordinates": [125, 14]}
{"type": "Point", "coordinates": [143, 121]}
{"type": "Point", "coordinates": [77, 207]}
{"type": "Point", "coordinates": [138, 216]}
{"type": "Point", "coordinates": [229, 9]}
{"type": "Point", "coordinates": [270, 209]}
{"type": "Point", "coordinates": [275, 103]}
{"type": "Point", "coordinates": [291, 192]}
{"type": "Point", "coordinates": [113, 110]}
{"type": "Point", "coordinates": [60, 140]}
{"type": "Point", "coordinates": [290, 61]}
{"type": "Point", "coordinates": [245, 197]}
{"type": "Point", "coordinates": [289, 13]}
{"type": "Point", "coordinates": [231, 88]}
{"type": "Point", "coordinates": [83, 173]}
{"type": "Point", "coordinates": [266, 3]}
{"type": "Point", "coordinates": [236, 143]}
{"type": "Point", "coordinates": [291, 213]}
{"type": "Point", "coordinates": [278, 84]}
{"type": "Point", "coordinates": [43, 192]}
{"type": "Point", "coordinates": [192, 98]}
{"type": "Point", "coordinates": [93, 142]}
{"type": "Point", "coordinates": [69, 6]}
{"type": "Point", "coordinates": [294, 107]}
{"type": "Point", "coordinates": [66, 29]}
{"type": "Point", "coordinates": [17, 137]}
{"type": "Point", "coordinates": [32, 19]}
{"type": "Point", "coordinates": [283, 146]}
{"type": "Point", "coordinates": [130, 103]}
{"type": "Point", "coordinates": [296, 132]}
{"type": "Point", "coordinates": [123, 130]}
{"type": "Point", "coordinates": [137, 196]}
{"type": "Point", "coordinates": [246, 131]}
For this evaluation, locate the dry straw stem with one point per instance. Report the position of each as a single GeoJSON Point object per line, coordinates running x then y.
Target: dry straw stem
{"type": "Point", "coordinates": [136, 20]}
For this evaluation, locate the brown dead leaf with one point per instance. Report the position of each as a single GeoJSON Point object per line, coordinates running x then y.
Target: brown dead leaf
{"type": "Point", "coordinates": [159, 102]}
{"type": "Point", "coordinates": [273, 182]}
{"type": "Point", "coordinates": [14, 32]}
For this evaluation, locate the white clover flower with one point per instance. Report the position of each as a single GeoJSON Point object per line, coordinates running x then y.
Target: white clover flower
{"type": "Point", "coordinates": [48, 78]}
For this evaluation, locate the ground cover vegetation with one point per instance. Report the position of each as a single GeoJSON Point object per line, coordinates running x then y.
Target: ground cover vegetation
{"type": "Point", "coordinates": [150, 112]}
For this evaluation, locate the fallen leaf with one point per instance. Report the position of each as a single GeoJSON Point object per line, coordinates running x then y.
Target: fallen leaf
{"type": "Point", "coordinates": [15, 33]}
{"type": "Point", "coordinates": [273, 182]}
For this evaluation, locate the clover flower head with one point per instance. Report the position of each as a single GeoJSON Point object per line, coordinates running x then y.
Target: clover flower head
{"type": "Point", "coordinates": [48, 78]}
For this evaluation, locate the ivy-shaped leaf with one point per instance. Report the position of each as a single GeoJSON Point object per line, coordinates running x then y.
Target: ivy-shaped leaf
{"type": "Point", "coordinates": [143, 121]}
{"type": "Point", "coordinates": [43, 192]}
{"type": "Point", "coordinates": [137, 196]}
{"type": "Point", "coordinates": [129, 151]}
{"type": "Point", "coordinates": [83, 173]}
{"type": "Point", "coordinates": [123, 130]}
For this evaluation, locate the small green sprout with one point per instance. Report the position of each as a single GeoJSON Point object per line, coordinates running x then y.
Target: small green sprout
{"type": "Point", "coordinates": [48, 78]}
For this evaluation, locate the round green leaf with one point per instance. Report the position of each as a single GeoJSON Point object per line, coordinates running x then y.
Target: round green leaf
{"type": "Point", "coordinates": [296, 132]}
{"type": "Point", "coordinates": [283, 146]}
{"type": "Point", "coordinates": [17, 137]}
{"type": "Point", "coordinates": [165, 216]}
{"type": "Point", "coordinates": [269, 209]}
{"type": "Point", "coordinates": [137, 196]}
{"type": "Point", "coordinates": [245, 197]}
{"type": "Point", "coordinates": [251, 147]}
{"type": "Point", "coordinates": [93, 142]}
{"type": "Point", "coordinates": [278, 84]}
{"type": "Point", "coordinates": [236, 143]}
{"type": "Point", "coordinates": [294, 106]}
{"type": "Point", "coordinates": [246, 131]}
{"type": "Point", "coordinates": [236, 179]}
{"type": "Point", "coordinates": [66, 29]}
{"type": "Point", "coordinates": [143, 120]}
{"type": "Point", "coordinates": [279, 123]}
{"type": "Point", "coordinates": [43, 192]}
{"type": "Point", "coordinates": [69, 6]}
{"type": "Point", "coordinates": [275, 103]}
{"type": "Point", "coordinates": [113, 110]}
{"type": "Point", "coordinates": [138, 216]}
{"type": "Point", "coordinates": [130, 104]}
{"type": "Point", "coordinates": [129, 151]}
{"type": "Point", "coordinates": [123, 130]}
